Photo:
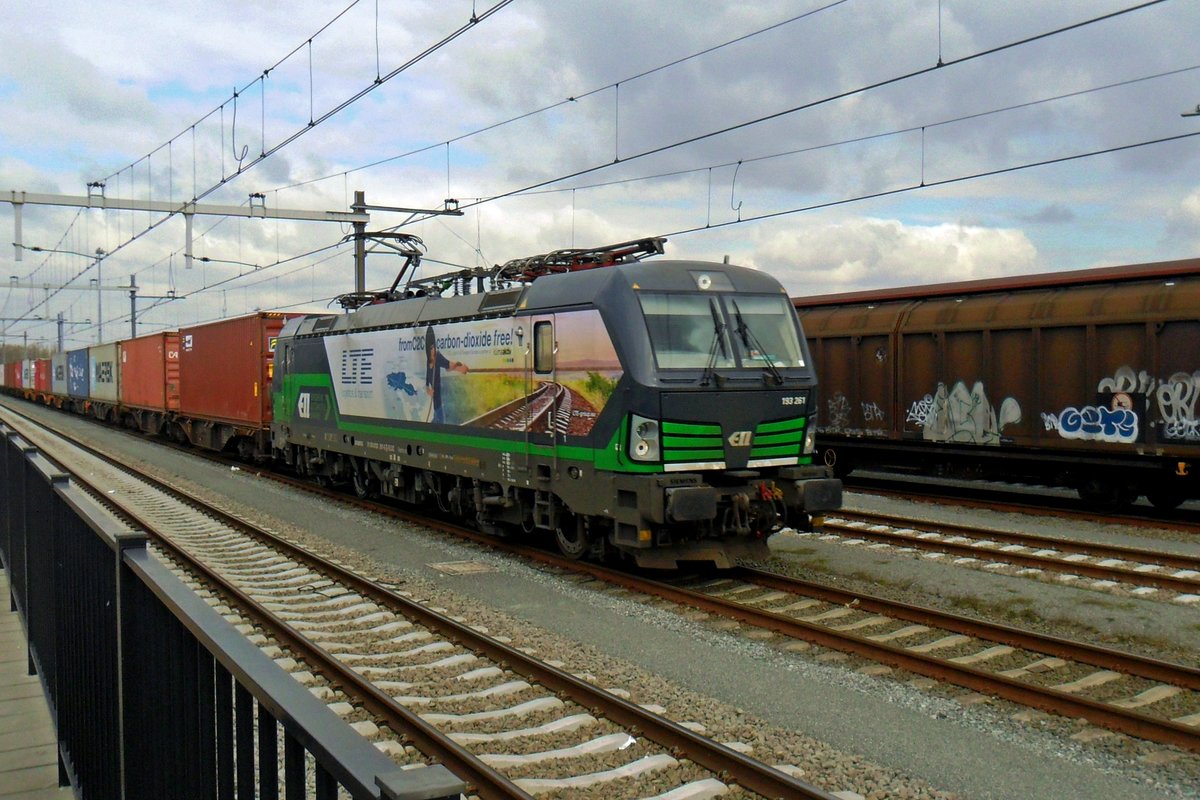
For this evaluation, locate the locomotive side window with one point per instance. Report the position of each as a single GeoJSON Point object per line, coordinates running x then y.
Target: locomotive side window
{"type": "Point", "coordinates": [543, 348]}
{"type": "Point", "coordinates": [687, 331]}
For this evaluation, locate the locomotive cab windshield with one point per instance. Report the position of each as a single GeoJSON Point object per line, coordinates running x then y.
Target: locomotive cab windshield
{"type": "Point", "coordinates": [713, 331]}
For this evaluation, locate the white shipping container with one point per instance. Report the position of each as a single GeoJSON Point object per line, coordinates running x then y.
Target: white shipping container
{"type": "Point", "coordinates": [58, 374]}
{"type": "Point", "coordinates": [104, 368]}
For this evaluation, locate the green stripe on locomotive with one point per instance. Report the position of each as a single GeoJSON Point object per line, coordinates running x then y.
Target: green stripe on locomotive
{"type": "Point", "coordinates": [703, 445]}
{"type": "Point", "coordinates": [608, 458]}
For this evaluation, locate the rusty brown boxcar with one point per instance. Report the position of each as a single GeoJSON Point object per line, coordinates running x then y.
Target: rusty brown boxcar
{"type": "Point", "coordinates": [1087, 379]}
{"type": "Point", "coordinates": [225, 371]}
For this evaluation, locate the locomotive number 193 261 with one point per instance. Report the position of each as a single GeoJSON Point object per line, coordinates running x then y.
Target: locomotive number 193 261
{"type": "Point", "coordinates": [795, 400]}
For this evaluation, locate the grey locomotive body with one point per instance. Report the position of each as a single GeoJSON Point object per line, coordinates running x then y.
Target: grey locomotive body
{"type": "Point", "coordinates": [662, 410]}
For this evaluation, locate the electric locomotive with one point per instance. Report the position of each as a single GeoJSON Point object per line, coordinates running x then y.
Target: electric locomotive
{"type": "Point", "coordinates": [664, 411]}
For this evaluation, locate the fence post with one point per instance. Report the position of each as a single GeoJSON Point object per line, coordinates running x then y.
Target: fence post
{"type": "Point", "coordinates": [18, 471]}
{"type": "Point", "coordinates": [5, 433]}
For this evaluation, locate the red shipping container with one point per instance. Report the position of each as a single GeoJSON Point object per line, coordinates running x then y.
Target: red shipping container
{"type": "Point", "coordinates": [225, 369]}
{"type": "Point", "coordinates": [150, 371]}
{"type": "Point", "coordinates": [42, 372]}
{"type": "Point", "coordinates": [12, 375]}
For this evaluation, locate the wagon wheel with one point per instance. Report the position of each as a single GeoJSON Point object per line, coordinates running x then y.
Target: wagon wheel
{"type": "Point", "coordinates": [1166, 497]}
{"type": "Point", "coordinates": [1106, 494]}
{"type": "Point", "coordinates": [571, 533]}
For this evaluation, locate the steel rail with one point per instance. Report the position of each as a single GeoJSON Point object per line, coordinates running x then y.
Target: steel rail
{"type": "Point", "coordinates": [731, 765]}
{"type": "Point", "coordinates": [1129, 663]}
{"type": "Point", "coordinates": [1095, 549]}
{"type": "Point", "coordinates": [1122, 720]}
{"type": "Point", "coordinates": [1186, 585]}
{"type": "Point", "coordinates": [1047, 699]}
{"type": "Point", "coordinates": [996, 498]}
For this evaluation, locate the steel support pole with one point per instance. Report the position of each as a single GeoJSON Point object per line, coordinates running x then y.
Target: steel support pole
{"type": "Point", "coordinates": [99, 304]}
{"type": "Point", "coordinates": [17, 241]}
{"type": "Point", "coordinates": [132, 306]}
{"type": "Point", "coordinates": [360, 245]}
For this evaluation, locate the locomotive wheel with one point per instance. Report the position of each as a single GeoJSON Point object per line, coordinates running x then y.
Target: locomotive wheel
{"type": "Point", "coordinates": [363, 486]}
{"type": "Point", "coordinates": [572, 536]}
{"type": "Point", "coordinates": [491, 527]}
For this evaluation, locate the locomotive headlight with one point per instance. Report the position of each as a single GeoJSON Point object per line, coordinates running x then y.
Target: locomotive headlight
{"type": "Point", "coordinates": [704, 282]}
{"type": "Point", "coordinates": [810, 438]}
{"type": "Point", "coordinates": [643, 439]}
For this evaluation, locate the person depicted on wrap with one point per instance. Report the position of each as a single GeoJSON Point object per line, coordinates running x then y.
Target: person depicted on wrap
{"type": "Point", "coordinates": [435, 362]}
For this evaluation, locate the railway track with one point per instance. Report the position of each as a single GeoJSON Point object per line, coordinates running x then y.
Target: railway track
{"type": "Point", "coordinates": [1135, 567]}
{"type": "Point", "coordinates": [1136, 695]}
{"type": "Point", "coordinates": [1145, 698]}
{"type": "Point", "coordinates": [1185, 520]}
{"type": "Point", "coordinates": [510, 724]}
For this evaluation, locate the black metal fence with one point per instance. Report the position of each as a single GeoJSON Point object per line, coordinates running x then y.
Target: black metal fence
{"type": "Point", "coordinates": [153, 694]}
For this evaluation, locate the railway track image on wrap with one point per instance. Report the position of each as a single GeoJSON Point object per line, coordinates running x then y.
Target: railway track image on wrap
{"type": "Point", "coordinates": [567, 410]}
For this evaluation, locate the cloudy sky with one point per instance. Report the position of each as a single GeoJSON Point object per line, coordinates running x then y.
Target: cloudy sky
{"type": "Point", "coordinates": [814, 139]}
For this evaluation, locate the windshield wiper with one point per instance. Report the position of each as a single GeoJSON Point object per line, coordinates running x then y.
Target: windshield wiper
{"type": "Point", "coordinates": [718, 344]}
{"type": "Point", "coordinates": [753, 344]}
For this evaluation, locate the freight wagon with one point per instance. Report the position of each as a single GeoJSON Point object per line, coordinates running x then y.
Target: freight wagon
{"type": "Point", "coordinates": [79, 384]}
{"type": "Point", "coordinates": [226, 369]}
{"type": "Point", "coordinates": [1088, 379]}
{"type": "Point", "coordinates": [208, 384]}
{"type": "Point", "coordinates": [149, 383]}
{"type": "Point", "coordinates": [104, 374]}
{"type": "Point", "coordinates": [58, 378]}
{"type": "Point", "coordinates": [42, 378]}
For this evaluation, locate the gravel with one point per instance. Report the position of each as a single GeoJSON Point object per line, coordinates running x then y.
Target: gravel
{"type": "Point", "coordinates": [882, 737]}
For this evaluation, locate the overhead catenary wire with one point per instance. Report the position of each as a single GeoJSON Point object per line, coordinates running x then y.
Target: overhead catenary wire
{"type": "Point", "coordinates": [935, 184]}
{"type": "Point", "coordinates": [827, 99]}
{"type": "Point", "coordinates": [836, 202]}
{"type": "Point", "coordinates": [865, 137]}
{"type": "Point", "coordinates": [574, 98]}
{"type": "Point", "coordinates": [476, 18]}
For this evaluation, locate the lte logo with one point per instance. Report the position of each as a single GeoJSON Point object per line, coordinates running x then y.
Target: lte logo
{"type": "Point", "coordinates": [357, 366]}
{"type": "Point", "coordinates": [303, 405]}
{"type": "Point", "coordinates": [741, 438]}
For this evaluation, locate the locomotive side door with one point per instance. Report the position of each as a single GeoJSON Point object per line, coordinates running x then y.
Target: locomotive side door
{"type": "Point", "coordinates": [542, 396]}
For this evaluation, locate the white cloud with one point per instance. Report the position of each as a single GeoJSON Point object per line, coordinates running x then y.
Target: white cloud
{"type": "Point", "coordinates": [88, 90]}
{"type": "Point", "coordinates": [872, 253]}
{"type": "Point", "coordinates": [1191, 207]}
